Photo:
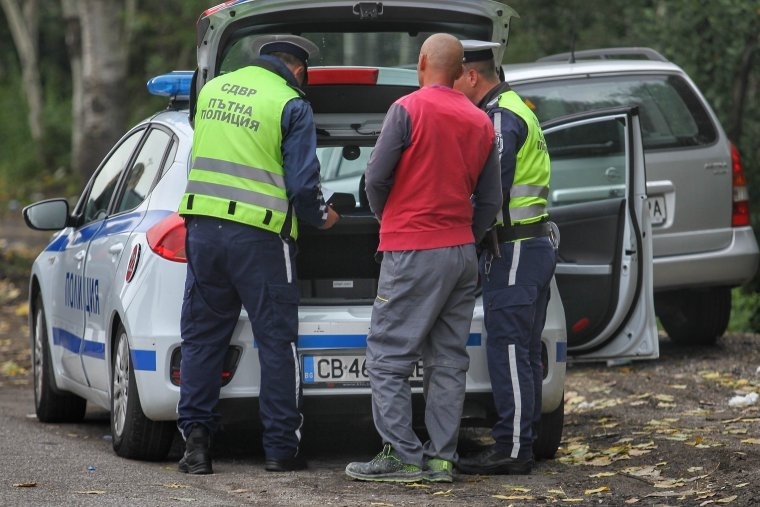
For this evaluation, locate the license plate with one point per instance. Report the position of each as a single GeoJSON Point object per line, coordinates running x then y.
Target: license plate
{"type": "Point", "coordinates": [342, 370]}
{"type": "Point", "coordinates": [657, 211]}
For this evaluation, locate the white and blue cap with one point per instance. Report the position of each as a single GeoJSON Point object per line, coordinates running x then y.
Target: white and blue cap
{"type": "Point", "coordinates": [300, 47]}
{"type": "Point", "coordinates": [478, 50]}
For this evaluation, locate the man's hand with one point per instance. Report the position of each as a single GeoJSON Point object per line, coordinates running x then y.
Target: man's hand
{"type": "Point", "coordinates": [332, 218]}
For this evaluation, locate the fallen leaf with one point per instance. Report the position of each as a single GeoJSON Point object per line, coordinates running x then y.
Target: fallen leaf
{"type": "Point", "coordinates": [602, 474]}
{"type": "Point", "coordinates": [174, 485]}
{"type": "Point", "coordinates": [601, 489]}
{"type": "Point", "coordinates": [31, 485]}
{"type": "Point", "coordinates": [519, 489]}
{"type": "Point", "coordinates": [753, 441]}
{"type": "Point", "coordinates": [12, 369]}
{"type": "Point", "coordinates": [22, 310]}
{"type": "Point", "coordinates": [448, 492]}
{"type": "Point", "coordinates": [91, 492]}
{"type": "Point", "coordinates": [728, 499]}
{"type": "Point", "coordinates": [181, 499]}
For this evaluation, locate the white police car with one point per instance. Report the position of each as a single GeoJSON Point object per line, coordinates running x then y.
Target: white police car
{"type": "Point", "coordinates": [105, 294]}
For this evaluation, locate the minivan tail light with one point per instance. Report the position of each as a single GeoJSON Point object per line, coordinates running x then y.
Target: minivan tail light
{"type": "Point", "coordinates": [740, 211]}
{"type": "Point", "coordinates": [167, 238]}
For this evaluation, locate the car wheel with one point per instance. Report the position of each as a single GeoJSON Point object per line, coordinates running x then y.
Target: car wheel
{"type": "Point", "coordinates": [550, 432]}
{"type": "Point", "coordinates": [50, 404]}
{"type": "Point", "coordinates": [134, 435]}
{"type": "Point", "coordinates": [694, 317]}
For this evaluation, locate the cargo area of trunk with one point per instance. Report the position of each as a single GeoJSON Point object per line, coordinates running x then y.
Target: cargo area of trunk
{"type": "Point", "coordinates": [338, 266]}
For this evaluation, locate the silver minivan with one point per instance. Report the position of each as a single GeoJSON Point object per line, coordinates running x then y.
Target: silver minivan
{"type": "Point", "coordinates": [698, 199]}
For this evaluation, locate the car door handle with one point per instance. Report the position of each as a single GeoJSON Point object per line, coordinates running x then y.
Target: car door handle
{"type": "Point", "coordinates": [116, 249]}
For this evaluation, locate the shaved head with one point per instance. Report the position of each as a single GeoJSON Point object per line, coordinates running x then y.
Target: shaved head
{"type": "Point", "coordinates": [440, 60]}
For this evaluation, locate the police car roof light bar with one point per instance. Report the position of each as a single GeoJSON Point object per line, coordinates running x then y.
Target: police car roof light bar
{"type": "Point", "coordinates": [175, 84]}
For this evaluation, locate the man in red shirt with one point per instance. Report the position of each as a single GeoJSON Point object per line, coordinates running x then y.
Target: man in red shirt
{"type": "Point", "coordinates": [433, 183]}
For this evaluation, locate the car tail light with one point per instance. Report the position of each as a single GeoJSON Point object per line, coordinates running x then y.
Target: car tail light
{"type": "Point", "coordinates": [167, 238]}
{"type": "Point", "coordinates": [740, 212]}
{"type": "Point", "coordinates": [343, 76]}
{"type": "Point", "coordinates": [231, 360]}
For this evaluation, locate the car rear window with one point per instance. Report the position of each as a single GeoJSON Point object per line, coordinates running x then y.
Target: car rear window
{"type": "Point", "coordinates": [373, 49]}
{"type": "Point", "coordinates": [672, 116]}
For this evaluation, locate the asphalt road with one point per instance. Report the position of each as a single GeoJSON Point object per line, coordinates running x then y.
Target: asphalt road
{"type": "Point", "coordinates": [74, 464]}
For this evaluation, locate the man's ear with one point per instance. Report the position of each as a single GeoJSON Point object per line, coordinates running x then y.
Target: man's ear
{"type": "Point", "coordinates": [300, 73]}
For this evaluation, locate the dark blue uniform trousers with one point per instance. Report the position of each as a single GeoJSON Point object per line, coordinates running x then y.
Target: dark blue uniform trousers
{"type": "Point", "coordinates": [516, 290]}
{"type": "Point", "coordinates": [230, 264]}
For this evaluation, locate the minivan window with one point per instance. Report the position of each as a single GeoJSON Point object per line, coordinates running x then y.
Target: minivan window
{"type": "Point", "coordinates": [671, 114]}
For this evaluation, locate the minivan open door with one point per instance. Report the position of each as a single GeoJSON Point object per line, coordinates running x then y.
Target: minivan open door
{"type": "Point", "coordinates": [604, 269]}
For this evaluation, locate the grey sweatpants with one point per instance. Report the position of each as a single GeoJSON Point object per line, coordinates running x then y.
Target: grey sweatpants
{"type": "Point", "coordinates": [423, 309]}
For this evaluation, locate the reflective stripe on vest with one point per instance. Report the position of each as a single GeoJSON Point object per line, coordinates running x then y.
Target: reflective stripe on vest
{"type": "Point", "coordinates": [237, 171]}
{"type": "Point", "coordinates": [530, 188]}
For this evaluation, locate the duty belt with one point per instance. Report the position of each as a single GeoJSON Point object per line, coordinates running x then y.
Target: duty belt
{"type": "Point", "coordinates": [522, 231]}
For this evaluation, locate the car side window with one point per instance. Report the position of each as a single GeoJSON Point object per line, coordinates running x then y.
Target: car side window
{"type": "Point", "coordinates": [588, 162]}
{"type": "Point", "coordinates": [672, 115]}
{"type": "Point", "coordinates": [142, 175]}
{"type": "Point", "coordinates": [104, 182]}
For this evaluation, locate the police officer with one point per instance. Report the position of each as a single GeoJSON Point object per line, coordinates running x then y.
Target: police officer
{"type": "Point", "coordinates": [515, 270]}
{"type": "Point", "coordinates": [254, 174]}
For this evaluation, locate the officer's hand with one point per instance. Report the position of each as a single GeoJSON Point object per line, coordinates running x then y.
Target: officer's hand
{"type": "Point", "coordinates": [332, 218]}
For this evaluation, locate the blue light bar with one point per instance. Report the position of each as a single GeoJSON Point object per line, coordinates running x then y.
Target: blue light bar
{"type": "Point", "coordinates": [175, 84]}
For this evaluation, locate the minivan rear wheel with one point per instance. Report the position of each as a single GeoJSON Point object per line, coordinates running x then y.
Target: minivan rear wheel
{"type": "Point", "coordinates": [694, 316]}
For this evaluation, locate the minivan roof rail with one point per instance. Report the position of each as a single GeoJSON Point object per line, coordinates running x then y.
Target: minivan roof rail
{"type": "Point", "coordinates": [636, 53]}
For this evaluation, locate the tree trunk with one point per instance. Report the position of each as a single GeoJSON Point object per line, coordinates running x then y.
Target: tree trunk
{"type": "Point", "coordinates": [23, 27]}
{"type": "Point", "coordinates": [104, 54]}
{"type": "Point", "coordinates": [74, 47]}
{"type": "Point", "coordinates": [740, 88]}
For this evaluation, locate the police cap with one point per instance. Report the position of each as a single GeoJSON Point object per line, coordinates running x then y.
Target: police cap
{"type": "Point", "coordinates": [478, 51]}
{"type": "Point", "coordinates": [300, 47]}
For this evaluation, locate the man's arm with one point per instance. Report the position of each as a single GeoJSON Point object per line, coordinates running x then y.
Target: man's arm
{"type": "Point", "coordinates": [487, 197]}
{"type": "Point", "coordinates": [394, 138]}
{"type": "Point", "coordinates": [514, 132]}
{"type": "Point", "coordinates": [299, 155]}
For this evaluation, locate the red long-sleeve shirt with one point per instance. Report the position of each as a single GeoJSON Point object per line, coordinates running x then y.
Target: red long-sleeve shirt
{"type": "Point", "coordinates": [435, 151]}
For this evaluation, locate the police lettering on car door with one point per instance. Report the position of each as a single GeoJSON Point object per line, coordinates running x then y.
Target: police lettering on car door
{"type": "Point", "coordinates": [81, 293]}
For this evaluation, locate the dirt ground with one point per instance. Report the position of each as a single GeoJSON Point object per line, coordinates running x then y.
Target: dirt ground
{"type": "Point", "coordinates": [680, 430]}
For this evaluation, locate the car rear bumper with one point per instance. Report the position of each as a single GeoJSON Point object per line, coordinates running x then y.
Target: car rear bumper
{"type": "Point", "coordinates": [731, 266]}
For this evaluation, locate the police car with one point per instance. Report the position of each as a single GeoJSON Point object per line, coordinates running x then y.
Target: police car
{"type": "Point", "coordinates": [106, 292]}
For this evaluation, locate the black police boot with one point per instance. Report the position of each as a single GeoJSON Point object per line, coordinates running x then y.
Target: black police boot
{"type": "Point", "coordinates": [285, 464]}
{"type": "Point", "coordinates": [197, 458]}
{"type": "Point", "coordinates": [492, 461]}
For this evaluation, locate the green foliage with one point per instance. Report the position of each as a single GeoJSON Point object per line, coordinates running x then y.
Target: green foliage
{"type": "Point", "coordinates": [745, 311]}
{"type": "Point", "coordinates": [19, 161]}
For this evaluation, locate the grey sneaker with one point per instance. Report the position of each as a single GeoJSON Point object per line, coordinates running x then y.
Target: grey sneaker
{"type": "Point", "coordinates": [439, 470]}
{"type": "Point", "coordinates": [385, 467]}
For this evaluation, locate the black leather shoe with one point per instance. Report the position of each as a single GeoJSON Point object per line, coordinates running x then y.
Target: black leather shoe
{"type": "Point", "coordinates": [492, 461]}
{"type": "Point", "coordinates": [197, 458]}
{"type": "Point", "coordinates": [285, 465]}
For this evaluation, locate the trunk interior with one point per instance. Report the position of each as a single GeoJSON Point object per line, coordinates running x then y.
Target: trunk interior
{"type": "Point", "coordinates": [337, 266]}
